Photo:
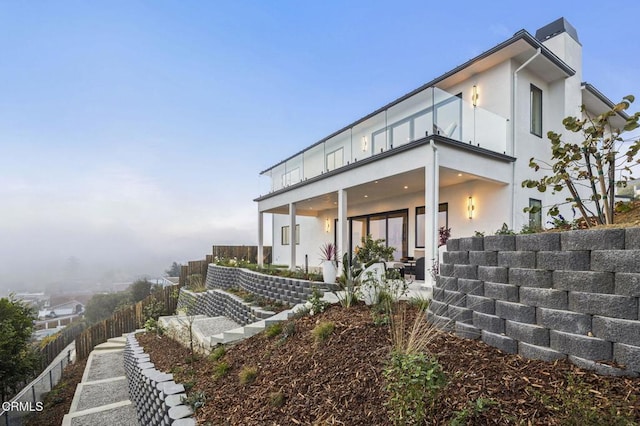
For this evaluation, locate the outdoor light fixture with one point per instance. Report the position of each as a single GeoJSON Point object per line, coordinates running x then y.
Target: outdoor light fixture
{"type": "Point", "coordinates": [364, 144]}
{"type": "Point", "coordinates": [470, 207]}
{"type": "Point", "coordinates": [474, 95]}
{"type": "Point", "coordinates": [327, 226]}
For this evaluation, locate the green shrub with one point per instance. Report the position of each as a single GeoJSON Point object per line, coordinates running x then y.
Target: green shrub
{"type": "Point", "coordinates": [220, 370]}
{"type": "Point", "coordinates": [247, 375]}
{"type": "Point", "coordinates": [195, 400]}
{"type": "Point", "coordinates": [317, 304]}
{"type": "Point", "coordinates": [217, 353]}
{"type": "Point", "coordinates": [413, 380]}
{"type": "Point", "coordinates": [322, 331]}
{"type": "Point", "coordinates": [276, 399]}
{"type": "Point", "coordinates": [504, 230]}
{"type": "Point", "coordinates": [273, 330]}
{"type": "Point", "coordinates": [464, 416]}
{"type": "Point", "coordinates": [577, 405]}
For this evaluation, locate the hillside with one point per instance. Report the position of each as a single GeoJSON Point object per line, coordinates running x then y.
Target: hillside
{"type": "Point", "coordinates": [340, 381]}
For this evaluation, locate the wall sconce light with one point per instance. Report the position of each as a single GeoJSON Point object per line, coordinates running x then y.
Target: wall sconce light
{"type": "Point", "coordinates": [474, 95]}
{"type": "Point", "coordinates": [364, 145]}
{"type": "Point", "coordinates": [327, 226]}
{"type": "Point", "coordinates": [470, 207]}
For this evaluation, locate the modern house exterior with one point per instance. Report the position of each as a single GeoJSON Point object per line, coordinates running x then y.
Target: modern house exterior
{"type": "Point", "coordinates": [451, 153]}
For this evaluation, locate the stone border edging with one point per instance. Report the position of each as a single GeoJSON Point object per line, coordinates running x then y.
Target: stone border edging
{"type": "Point", "coordinates": [157, 398]}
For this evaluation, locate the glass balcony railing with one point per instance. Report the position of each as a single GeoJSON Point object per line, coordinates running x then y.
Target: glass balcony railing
{"type": "Point", "coordinates": [430, 111]}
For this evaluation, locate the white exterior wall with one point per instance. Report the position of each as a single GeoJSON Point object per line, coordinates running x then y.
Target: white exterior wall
{"type": "Point", "coordinates": [496, 202]}
{"type": "Point", "coordinates": [491, 207]}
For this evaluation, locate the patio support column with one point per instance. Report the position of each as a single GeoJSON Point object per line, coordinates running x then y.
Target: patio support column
{"type": "Point", "coordinates": [292, 236]}
{"type": "Point", "coordinates": [431, 197]}
{"type": "Point", "coordinates": [260, 239]}
{"type": "Point", "coordinates": [343, 224]}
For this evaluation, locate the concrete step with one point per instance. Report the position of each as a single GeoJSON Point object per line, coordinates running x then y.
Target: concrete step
{"type": "Point", "coordinates": [108, 346]}
{"type": "Point", "coordinates": [121, 340]}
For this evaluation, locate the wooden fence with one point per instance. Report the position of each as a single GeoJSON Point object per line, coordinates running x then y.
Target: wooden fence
{"type": "Point", "coordinates": [124, 320]}
{"type": "Point", "coordinates": [51, 350]}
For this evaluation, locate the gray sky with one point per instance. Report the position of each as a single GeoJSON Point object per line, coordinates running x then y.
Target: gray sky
{"type": "Point", "coordinates": [133, 132]}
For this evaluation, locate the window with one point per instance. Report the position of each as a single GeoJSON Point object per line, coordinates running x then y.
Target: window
{"type": "Point", "coordinates": [335, 159]}
{"type": "Point", "coordinates": [291, 177]}
{"type": "Point", "coordinates": [443, 221]}
{"type": "Point", "coordinates": [535, 217]}
{"type": "Point", "coordinates": [285, 238]}
{"type": "Point", "coordinates": [536, 111]}
{"type": "Point", "coordinates": [389, 226]}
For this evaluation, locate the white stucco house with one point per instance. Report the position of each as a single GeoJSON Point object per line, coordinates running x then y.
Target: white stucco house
{"type": "Point", "coordinates": [453, 153]}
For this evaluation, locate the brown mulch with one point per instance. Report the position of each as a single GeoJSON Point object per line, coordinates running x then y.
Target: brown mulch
{"type": "Point", "coordinates": [341, 381]}
{"type": "Point", "coordinates": [58, 402]}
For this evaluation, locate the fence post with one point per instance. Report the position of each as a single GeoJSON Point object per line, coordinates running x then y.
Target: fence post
{"type": "Point", "coordinates": [50, 379]}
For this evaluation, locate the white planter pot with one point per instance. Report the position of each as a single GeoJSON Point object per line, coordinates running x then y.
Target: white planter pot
{"type": "Point", "coordinates": [329, 271]}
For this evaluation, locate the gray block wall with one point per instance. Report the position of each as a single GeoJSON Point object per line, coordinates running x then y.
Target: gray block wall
{"type": "Point", "coordinates": [290, 291]}
{"type": "Point", "coordinates": [547, 296]}
{"type": "Point", "coordinates": [157, 398]}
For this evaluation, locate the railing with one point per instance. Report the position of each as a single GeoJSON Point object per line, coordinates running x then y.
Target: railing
{"type": "Point", "coordinates": [430, 111]}
{"type": "Point", "coordinates": [125, 320]}
{"type": "Point", "coordinates": [51, 350]}
{"type": "Point", "coordinates": [30, 398]}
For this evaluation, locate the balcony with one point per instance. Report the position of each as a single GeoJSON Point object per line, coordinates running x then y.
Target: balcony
{"type": "Point", "coordinates": [430, 111]}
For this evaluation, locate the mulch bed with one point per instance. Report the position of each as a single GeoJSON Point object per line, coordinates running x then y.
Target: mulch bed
{"type": "Point", "coordinates": [341, 382]}
{"type": "Point", "coordinates": [58, 402]}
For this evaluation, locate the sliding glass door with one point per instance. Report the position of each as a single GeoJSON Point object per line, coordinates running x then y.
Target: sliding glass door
{"type": "Point", "coordinates": [388, 226]}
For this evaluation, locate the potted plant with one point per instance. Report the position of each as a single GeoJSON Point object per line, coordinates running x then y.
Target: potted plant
{"type": "Point", "coordinates": [329, 258]}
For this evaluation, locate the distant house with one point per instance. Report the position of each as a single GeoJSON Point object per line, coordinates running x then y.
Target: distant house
{"type": "Point", "coordinates": [72, 307]}
{"type": "Point", "coordinates": [451, 153]}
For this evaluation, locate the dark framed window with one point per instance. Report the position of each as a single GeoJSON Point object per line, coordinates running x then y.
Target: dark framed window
{"type": "Point", "coordinates": [285, 235]}
{"type": "Point", "coordinates": [535, 218]}
{"type": "Point", "coordinates": [443, 220]}
{"type": "Point", "coordinates": [389, 226]}
{"type": "Point", "coordinates": [536, 111]}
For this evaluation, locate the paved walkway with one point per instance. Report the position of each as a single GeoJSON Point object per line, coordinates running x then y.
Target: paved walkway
{"type": "Point", "coordinates": [102, 398]}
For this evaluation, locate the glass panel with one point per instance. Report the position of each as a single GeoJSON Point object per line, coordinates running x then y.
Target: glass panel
{"type": "Point", "coordinates": [396, 234]}
{"type": "Point", "coordinates": [313, 161]}
{"type": "Point", "coordinates": [416, 112]}
{"type": "Point", "coordinates": [536, 111]}
{"type": "Point", "coordinates": [358, 231]}
{"type": "Point", "coordinates": [277, 174]}
{"type": "Point", "coordinates": [378, 227]}
{"type": "Point", "coordinates": [380, 141]}
{"type": "Point", "coordinates": [420, 230]}
{"type": "Point", "coordinates": [535, 219]}
{"type": "Point", "coordinates": [422, 125]}
{"type": "Point", "coordinates": [293, 171]}
{"type": "Point", "coordinates": [340, 141]}
{"type": "Point", "coordinates": [335, 159]}
{"type": "Point", "coordinates": [401, 133]}
{"type": "Point", "coordinates": [443, 215]}
{"type": "Point", "coordinates": [362, 136]}
{"type": "Point", "coordinates": [448, 117]}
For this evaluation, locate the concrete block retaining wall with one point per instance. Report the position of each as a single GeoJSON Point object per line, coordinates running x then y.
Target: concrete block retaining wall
{"type": "Point", "coordinates": [213, 303]}
{"type": "Point", "coordinates": [547, 296]}
{"type": "Point", "coordinates": [157, 398]}
{"type": "Point", "coordinates": [286, 290]}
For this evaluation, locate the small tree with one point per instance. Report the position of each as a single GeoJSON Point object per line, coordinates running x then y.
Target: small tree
{"type": "Point", "coordinates": [140, 289]}
{"type": "Point", "coordinates": [18, 360]}
{"type": "Point", "coordinates": [592, 163]}
{"type": "Point", "coordinates": [174, 271]}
